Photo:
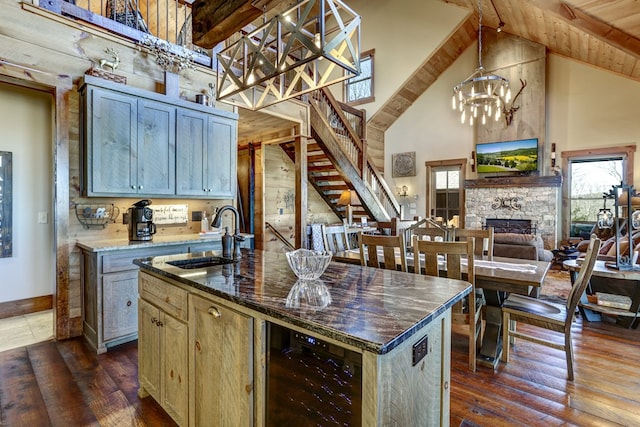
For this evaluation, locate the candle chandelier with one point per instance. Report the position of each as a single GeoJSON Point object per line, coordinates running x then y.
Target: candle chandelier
{"type": "Point", "coordinates": [482, 95]}
{"type": "Point", "coordinates": [313, 44]}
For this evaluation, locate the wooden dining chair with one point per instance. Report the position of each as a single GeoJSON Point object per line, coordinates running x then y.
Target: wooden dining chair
{"type": "Point", "coordinates": [334, 238]}
{"type": "Point", "coordinates": [482, 238]}
{"type": "Point", "coordinates": [547, 315]}
{"type": "Point", "coordinates": [454, 253]}
{"type": "Point", "coordinates": [390, 246]}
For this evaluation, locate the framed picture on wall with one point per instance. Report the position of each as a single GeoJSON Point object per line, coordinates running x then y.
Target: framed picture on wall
{"type": "Point", "coordinates": [403, 164]}
{"type": "Point", "coordinates": [6, 196]}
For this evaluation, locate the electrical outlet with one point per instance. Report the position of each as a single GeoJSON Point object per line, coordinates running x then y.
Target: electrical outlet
{"type": "Point", "coordinates": [43, 218]}
{"type": "Point", "coordinates": [420, 350]}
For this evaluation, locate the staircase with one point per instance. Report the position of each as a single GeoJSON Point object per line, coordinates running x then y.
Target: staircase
{"type": "Point", "coordinates": [338, 160]}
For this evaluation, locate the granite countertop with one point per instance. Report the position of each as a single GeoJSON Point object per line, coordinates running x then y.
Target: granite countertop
{"type": "Point", "coordinates": [370, 308]}
{"type": "Point", "coordinates": [123, 243]}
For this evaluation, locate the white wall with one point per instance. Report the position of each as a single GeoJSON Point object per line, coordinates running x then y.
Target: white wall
{"type": "Point", "coordinates": [26, 124]}
{"type": "Point", "coordinates": [591, 108]}
{"type": "Point", "coordinates": [404, 33]}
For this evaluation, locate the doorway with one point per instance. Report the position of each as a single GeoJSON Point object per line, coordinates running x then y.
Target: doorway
{"type": "Point", "coordinates": [28, 275]}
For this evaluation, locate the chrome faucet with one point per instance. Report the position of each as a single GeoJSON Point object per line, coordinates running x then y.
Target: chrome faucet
{"type": "Point", "coordinates": [217, 220]}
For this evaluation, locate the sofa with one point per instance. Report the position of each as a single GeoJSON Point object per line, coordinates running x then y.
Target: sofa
{"type": "Point", "coordinates": [517, 245]}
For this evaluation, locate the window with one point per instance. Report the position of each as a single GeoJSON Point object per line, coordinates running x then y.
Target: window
{"type": "Point", "coordinates": [359, 89]}
{"type": "Point", "coordinates": [590, 179]}
{"type": "Point", "coordinates": [444, 184]}
{"type": "Point", "coordinates": [590, 174]}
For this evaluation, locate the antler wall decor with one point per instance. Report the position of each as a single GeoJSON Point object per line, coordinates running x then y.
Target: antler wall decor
{"type": "Point", "coordinates": [511, 110]}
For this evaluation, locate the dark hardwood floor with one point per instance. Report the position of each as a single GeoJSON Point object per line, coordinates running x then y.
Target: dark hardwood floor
{"type": "Point", "coordinates": [66, 384]}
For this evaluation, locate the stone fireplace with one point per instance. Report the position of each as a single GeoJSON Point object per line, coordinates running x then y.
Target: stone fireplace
{"type": "Point", "coordinates": [533, 199]}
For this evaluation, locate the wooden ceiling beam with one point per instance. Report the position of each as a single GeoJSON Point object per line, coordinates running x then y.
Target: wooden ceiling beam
{"type": "Point", "coordinates": [591, 25]}
{"type": "Point", "coordinates": [216, 20]}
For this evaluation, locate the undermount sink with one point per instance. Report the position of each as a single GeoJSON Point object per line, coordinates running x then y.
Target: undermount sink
{"type": "Point", "coordinates": [209, 261]}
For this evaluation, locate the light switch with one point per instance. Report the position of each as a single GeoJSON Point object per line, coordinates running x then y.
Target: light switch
{"type": "Point", "coordinates": [43, 218]}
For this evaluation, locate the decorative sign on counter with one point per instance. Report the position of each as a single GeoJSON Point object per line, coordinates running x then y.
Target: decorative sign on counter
{"type": "Point", "coordinates": [170, 214]}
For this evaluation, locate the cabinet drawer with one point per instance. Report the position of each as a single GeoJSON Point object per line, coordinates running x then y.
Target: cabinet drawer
{"type": "Point", "coordinates": [124, 261]}
{"type": "Point", "coordinates": [167, 297]}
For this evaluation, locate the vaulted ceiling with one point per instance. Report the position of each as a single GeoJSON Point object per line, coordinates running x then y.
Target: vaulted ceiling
{"type": "Point", "coordinates": [603, 33]}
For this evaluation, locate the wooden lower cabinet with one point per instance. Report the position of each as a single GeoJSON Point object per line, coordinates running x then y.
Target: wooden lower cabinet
{"type": "Point", "coordinates": [221, 391]}
{"type": "Point", "coordinates": [163, 365]}
{"type": "Point", "coordinates": [195, 356]}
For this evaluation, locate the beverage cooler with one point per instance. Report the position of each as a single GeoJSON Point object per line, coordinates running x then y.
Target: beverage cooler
{"type": "Point", "coordinates": [311, 382]}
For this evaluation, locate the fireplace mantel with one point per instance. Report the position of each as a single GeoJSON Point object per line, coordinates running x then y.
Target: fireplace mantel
{"type": "Point", "coordinates": [515, 181]}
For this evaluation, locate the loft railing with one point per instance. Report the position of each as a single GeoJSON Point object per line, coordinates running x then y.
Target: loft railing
{"type": "Point", "coordinates": [168, 20]}
{"type": "Point", "coordinates": [348, 124]}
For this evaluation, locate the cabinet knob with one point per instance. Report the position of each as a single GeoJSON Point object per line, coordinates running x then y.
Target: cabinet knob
{"type": "Point", "coordinates": [154, 320]}
{"type": "Point", "coordinates": [140, 187]}
{"type": "Point", "coordinates": [128, 303]}
{"type": "Point", "coordinates": [215, 312]}
{"type": "Point", "coordinates": [133, 187]}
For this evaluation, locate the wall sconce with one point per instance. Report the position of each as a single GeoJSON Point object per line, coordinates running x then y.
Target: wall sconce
{"type": "Point", "coordinates": [473, 161]}
{"type": "Point", "coordinates": [402, 192]}
{"type": "Point", "coordinates": [553, 155]}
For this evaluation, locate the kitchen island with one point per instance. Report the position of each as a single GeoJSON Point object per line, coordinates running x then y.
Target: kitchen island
{"type": "Point", "coordinates": [209, 342]}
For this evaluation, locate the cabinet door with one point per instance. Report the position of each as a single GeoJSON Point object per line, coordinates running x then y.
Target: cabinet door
{"type": "Point", "coordinates": [222, 153]}
{"type": "Point", "coordinates": [221, 353]}
{"type": "Point", "coordinates": [156, 148]}
{"type": "Point", "coordinates": [191, 141]}
{"type": "Point", "coordinates": [175, 368]}
{"type": "Point", "coordinates": [119, 304]}
{"type": "Point", "coordinates": [110, 137]}
{"type": "Point", "coordinates": [149, 350]}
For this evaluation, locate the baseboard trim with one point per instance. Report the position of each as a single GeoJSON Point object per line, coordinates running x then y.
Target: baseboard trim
{"type": "Point", "coordinates": [25, 306]}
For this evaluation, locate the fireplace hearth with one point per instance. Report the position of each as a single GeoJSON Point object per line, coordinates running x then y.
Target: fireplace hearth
{"type": "Point", "coordinates": [510, 225]}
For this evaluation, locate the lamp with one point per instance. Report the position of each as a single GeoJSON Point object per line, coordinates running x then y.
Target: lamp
{"type": "Point", "coordinates": [349, 198]}
{"type": "Point", "coordinates": [500, 24]}
{"type": "Point", "coordinates": [481, 93]}
{"type": "Point", "coordinates": [283, 58]}
{"type": "Point", "coordinates": [621, 193]}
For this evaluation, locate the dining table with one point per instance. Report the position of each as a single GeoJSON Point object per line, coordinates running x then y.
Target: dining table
{"type": "Point", "coordinates": [497, 277]}
{"type": "Point", "coordinates": [628, 282]}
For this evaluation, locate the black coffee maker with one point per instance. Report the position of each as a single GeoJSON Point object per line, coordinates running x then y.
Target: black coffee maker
{"type": "Point", "coordinates": [140, 224]}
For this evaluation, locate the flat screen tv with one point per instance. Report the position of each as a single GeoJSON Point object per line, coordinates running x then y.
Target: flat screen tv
{"type": "Point", "coordinates": [508, 157]}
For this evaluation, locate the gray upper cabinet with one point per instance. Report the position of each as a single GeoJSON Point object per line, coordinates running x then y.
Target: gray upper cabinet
{"type": "Point", "coordinates": [156, 148]}
{"type": "Point", "coordinates": [139, 143]}
{"type": "Point", "coordinates": [112, 127]}
{"type": "Point", "coordinates": [206, 155]}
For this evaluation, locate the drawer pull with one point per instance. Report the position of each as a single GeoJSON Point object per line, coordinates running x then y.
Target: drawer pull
{"type": "Point", "coordinates": [198, 346]}
{"type": "Point", "coordinates": [215, 312]}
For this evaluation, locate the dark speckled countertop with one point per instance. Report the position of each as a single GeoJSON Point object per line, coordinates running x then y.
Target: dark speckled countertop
{"type": "Point", "coordinates": [370, 308]}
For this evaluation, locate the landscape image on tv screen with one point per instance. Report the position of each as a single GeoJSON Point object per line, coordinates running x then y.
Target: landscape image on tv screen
{"type": "Point", "coordinates": [508, 156]}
